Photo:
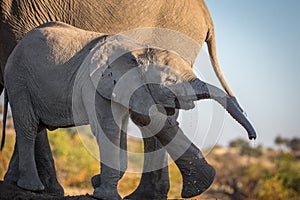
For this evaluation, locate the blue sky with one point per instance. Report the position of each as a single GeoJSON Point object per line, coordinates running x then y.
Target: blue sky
{"type": "Point", "coordinates": [258, 48]}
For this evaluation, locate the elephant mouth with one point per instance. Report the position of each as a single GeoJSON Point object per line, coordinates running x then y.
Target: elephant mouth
{"type": "Point", "coordinates": [185, 103]}
{"type": "Point", "coordinates": [179, 103]}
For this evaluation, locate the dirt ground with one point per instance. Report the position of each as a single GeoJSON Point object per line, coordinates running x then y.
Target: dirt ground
{"type": "Point", "coordinates": [12, 192]}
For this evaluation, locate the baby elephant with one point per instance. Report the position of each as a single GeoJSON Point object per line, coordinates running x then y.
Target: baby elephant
{"type": "Point", "coordinates": [61, 76]}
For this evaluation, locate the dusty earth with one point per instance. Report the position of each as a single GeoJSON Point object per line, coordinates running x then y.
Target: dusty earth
{"type": "Point", "coordinates": [12, 192]}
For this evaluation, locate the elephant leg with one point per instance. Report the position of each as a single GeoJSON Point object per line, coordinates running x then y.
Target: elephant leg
{"type": "Point", "coordinates": [28, 174]}
{"type": "Point", "coordinates": [154, 183]}
{"type": "Point", "coordinates": [197, 174]}
{"type": "Point", "coordinates": [26, 126]}
{"type": "Point", "coordinates": [45, 164]}
{"type": "Point", "coordinates": [12, 174]}
{"type": "Point", "coordinates": [106, 128]}
{"type": "Point", "coordinates": [96, 180]}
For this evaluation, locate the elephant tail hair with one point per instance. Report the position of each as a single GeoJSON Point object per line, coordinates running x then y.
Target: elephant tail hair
{"type": "Point", "coordinates": [212, 50]}
{"type": "Point", "coordinates": [211, 46]}
{"type": "Point", "coordinates": [4, 119]}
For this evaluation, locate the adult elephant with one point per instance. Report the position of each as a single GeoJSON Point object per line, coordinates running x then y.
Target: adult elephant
{"type": "Point", "coordinates": [189, 17]}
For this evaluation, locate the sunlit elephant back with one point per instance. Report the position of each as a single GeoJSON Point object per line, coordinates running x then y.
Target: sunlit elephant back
{"type": "Point", "coordinates": [190, 18]}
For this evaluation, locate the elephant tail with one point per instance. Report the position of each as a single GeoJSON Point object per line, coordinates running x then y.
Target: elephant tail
{"type": "Point", "coordinates": [211, 46]}
{"type": "Point", "coordinates": [4, 119]}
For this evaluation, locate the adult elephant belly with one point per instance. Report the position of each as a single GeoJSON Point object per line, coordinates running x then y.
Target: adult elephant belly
{"type": "Point", "coordinates": [180, 26]}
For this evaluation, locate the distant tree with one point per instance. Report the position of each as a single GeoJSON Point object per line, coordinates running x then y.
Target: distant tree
{"type": "Point", "coordinates": [281, 141]}
{"type": "Point", "coordinates": [250, 151]}
{"type": "Point", "coordinates": [239, 143]}
{"type": "Point", "coordinates": [245, 148]}
{"type": "Point", "coordinates": [295, 144]}
{"type": "Point", "coordinates": [292, 144]}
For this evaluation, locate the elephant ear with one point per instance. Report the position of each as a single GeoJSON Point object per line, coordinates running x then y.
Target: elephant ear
{"type": "Point", "coordinates": [115, 74]}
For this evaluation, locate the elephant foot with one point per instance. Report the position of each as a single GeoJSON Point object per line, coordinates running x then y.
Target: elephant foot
{"type": "Point", "coordinates": [96, 180]}
{"type": "Point", "coordinates": [153, 185]}
{"type": "Point", "coordinates": [45, 165]}
{"type": "Point", "coordinates": [106, 193]}
{"type": "Point", "coordinates": [49, 188]}
{"type": "Point", "coordinates": [12, 179]}
{"type": "Point", "coordinates": [197, 174]}
{"type": "Point", "coordinates": [196, 185]}
{"type": "Point", "coordinates": [54, 189]}
{"type": "Point", "coordinates": [31, 185]}
{"type": "Point", "coordinates": [147, 193]}
{"type": "Point", "coordinates": [108, 178]}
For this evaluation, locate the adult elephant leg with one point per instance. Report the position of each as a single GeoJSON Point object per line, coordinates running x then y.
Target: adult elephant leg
{"type": "Point", "coordinates": [45, 164]}
{"type": "Point", "coordinates": [155, 182]}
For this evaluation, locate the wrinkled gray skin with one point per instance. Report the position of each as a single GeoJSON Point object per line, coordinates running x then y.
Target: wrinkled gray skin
{"type": "Point", "coordinates": [54, 63]}
{"type": "Point", "coordinates": [189, 17]}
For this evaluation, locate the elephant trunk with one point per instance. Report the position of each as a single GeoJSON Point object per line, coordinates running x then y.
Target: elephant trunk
{"type": "Point", "coordinates": [207, 91]}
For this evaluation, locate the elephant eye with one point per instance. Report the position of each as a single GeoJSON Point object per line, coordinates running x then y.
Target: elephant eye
{"type": "Point", "coordinates": [170, 80]}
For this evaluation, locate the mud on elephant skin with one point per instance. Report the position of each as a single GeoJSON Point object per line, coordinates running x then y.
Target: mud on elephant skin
{"type": "Point", "coordinates": [87, 79]}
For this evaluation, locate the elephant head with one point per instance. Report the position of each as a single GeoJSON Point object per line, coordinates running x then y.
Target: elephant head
{"type": "Point", "coordinates": [145, 80]}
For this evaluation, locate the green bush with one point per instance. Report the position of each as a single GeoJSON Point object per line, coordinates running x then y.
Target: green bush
{"type": "Point", "coordinates": [74, 164]}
